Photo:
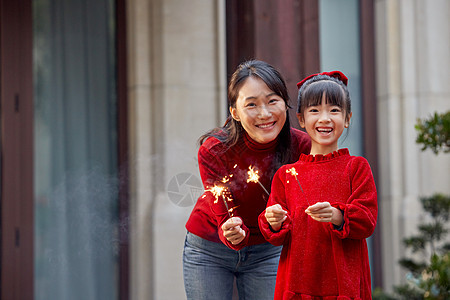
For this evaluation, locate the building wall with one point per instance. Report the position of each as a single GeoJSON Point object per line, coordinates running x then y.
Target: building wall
{"type": "Point", "coordinates": [177, 90]}
{"type": "Point", "coordinates": [413, 40]}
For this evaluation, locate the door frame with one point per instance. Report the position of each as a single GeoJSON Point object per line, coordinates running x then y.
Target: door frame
{"type": "Point", "coordinates": [16, 113]}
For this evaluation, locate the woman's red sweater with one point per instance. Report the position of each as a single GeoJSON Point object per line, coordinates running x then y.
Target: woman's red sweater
{"type": "Point", "coordinates": [216, 163]}
{"type": "Point", "coordinates": [319, 261]}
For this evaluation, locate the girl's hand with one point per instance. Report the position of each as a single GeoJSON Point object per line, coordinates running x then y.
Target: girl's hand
{"type": "Point", "coordinates": [324, 212]}
{"type": "Point", "coordinates": [232, 230]}
{"type": "Point", "coordinates": [275, 216]}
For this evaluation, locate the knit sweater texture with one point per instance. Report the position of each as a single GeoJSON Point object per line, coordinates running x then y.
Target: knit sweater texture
{"type": "Point", "coordinates": [228, 167]}
{"type": "Point", "coordinates": [319, 261]}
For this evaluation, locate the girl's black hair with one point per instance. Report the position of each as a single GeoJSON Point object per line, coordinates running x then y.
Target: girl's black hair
{"type": "Point", "coordinates": [336, 92]}
{"type": "Point", "coordinates": [232, 131]}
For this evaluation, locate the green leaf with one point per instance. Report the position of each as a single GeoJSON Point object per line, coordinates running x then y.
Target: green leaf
{"type": "Point", "coordinates": [414, 267]}
{"type": "Point", "coordinates": [434, 132]}
{"type": "Point", "coordinates": [438, 205]}
{"type": "Point", "coordinates": [415, 242]}
{"type": "Point", "coordinates": [409, 292]}
{"type": "Point", "coordinates": [433, 232]}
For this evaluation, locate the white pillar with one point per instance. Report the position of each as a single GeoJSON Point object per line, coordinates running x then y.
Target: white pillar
{"type": "Point", "coordinates": [139, 26]}
{"type": "Point", "coordinates": [177, 91]}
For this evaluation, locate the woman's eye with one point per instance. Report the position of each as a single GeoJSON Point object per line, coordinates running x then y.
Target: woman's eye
{"type": "Point", "coordinates": [273, 100]}
{"type": "Point", "coordinates": [249, 105]}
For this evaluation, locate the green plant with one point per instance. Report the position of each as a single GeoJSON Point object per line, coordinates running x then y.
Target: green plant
{"type": "Point", "coordinates": [434, 132]}
{"type": "Point", "coordinates": [428, 278]}
{"type": "Point", "coordinates": [379, 294]}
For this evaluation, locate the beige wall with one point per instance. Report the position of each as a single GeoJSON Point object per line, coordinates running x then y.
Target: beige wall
{"type": "Point", "coordinates": [177, 90]}
{"type": "Point", "coordinates": [413, 42]}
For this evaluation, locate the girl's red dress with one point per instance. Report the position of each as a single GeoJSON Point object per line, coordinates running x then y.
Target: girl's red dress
{"type": "Point", "coordinates": [320, 261]}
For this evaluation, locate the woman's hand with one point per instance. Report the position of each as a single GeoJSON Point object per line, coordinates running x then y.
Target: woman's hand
{"type": "Point", "coordinates": [324, 212]}
{"type": "Point", "coordinates": [232, 230]}
{"type": "Point", "coordinates": [275, 215]}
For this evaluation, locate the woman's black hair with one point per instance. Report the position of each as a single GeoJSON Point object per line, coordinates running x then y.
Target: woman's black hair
{"type": "Point", "coordinates": [336, 92]}
{"type": "Point", "coordinates": [231, 132]}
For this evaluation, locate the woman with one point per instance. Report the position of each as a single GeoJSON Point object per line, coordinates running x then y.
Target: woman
{"type": "Point", "coordinates": [224, 242]}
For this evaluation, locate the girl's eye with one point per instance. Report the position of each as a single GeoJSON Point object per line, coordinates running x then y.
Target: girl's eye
{"type": "Point", "coordinates": [313, 110]}
{"type": "Point", "coordinates": [336, 109]}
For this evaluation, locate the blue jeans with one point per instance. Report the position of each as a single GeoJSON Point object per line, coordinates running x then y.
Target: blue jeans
{"type": "Point", "coordinates": [210, 268]}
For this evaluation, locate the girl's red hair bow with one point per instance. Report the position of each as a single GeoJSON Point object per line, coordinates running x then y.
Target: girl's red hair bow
{"type": "Point", "coordinates": [336, 74]}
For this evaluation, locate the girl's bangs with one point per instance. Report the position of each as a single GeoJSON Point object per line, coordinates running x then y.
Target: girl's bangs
{"type": "Point", "coordinates": [333, 94]}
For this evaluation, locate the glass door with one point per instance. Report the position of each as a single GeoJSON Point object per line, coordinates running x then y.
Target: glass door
{"type": "Point", "coordinates": [76, 242]}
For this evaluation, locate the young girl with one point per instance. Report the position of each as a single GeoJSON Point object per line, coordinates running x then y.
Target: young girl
{"type": "Point", "coordinates": [323, 207]}
{"type": "Point", "coordinates": [223, 242]}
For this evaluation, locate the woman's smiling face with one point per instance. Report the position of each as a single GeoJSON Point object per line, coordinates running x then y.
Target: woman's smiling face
{"type": "Point", "coordinates": [260, 110]}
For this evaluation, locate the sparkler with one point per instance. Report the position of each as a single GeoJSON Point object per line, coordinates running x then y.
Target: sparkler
{"type": "Point", "coordinates": [254, 177]}
{"type": "Point", "coordinates": [217, 192]}
{"type": "Point", "coordinates": [294, 173]}
{"type": "Point", "coordinates": [227, 178]}
{"type": "Point", "coordinates": [220, 191]}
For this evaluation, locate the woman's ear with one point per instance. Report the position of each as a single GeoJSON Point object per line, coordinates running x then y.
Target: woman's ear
{"type": "Point", "coordinates": [234, 113]}
{"type": "Point", "coordinates": [300, 120]}
{"type": "Point", "coordinates": [347, 122]}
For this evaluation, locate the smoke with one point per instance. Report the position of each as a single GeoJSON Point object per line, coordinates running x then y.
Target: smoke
{"type": "Point", "coordinates": [78, 235]}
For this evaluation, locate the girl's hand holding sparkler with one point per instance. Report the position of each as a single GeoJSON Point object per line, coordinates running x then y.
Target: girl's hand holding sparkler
{"type": "Point", "coordinates": [324, 212]}
{"type": "Point", "coordinates": [233, 231]}
{"type": "Point", "coordinates": [275, 215]}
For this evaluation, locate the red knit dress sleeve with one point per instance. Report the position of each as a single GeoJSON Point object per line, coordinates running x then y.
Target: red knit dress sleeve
{"type": "Point", "coordinates": [213, 171]}
{"type": "Point", "coordinates": [360, 211]}
{"type": "Point", "coordinates": [277, 196]}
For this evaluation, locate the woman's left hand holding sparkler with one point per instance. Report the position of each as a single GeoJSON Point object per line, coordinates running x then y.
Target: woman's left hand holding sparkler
{"type": "Point", "coordinates": [232, 228]}
{"type": "Point", "coordinates": [233, 231]}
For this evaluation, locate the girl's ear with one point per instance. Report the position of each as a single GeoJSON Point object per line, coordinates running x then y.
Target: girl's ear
{"type": "Point", "coordinates": [347, 121]}
{"type": "Point", "coordinates": [234, 113]}
{"type": "Point", "coordinates": [300, 120]}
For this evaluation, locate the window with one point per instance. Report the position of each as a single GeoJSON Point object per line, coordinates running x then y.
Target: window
{"type": "Point", "coordinates": [64, 208]}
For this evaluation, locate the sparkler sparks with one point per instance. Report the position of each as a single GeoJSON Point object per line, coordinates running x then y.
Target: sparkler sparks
{"type": "Point", "coordinates": [227, 178]}
{"type": "Point", "coordinates": [231, 210]}
{"type": "Point", "coordinates": [254, 177]}
{"type": "Point", "coordinates": [220, 191]}
{"type": "Point", "coordinates": [294, 173]}
{"type": "Point", "coordinates": [217, 191]}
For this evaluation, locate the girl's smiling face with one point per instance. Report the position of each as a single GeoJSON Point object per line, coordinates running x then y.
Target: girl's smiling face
{"type": "Point", "coordinates": [260, 110]}
{"type": "Point", "coordinates": [324, 123]}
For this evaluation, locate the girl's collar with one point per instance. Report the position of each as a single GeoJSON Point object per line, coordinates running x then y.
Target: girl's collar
{"type": "Point", "coordinates": [250, 143]}
{"type": "Point", "coordinates": [321, 157]}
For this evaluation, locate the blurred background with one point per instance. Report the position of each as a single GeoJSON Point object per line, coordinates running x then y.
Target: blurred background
{"type": "Point", "coordinates": [102, 103]}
